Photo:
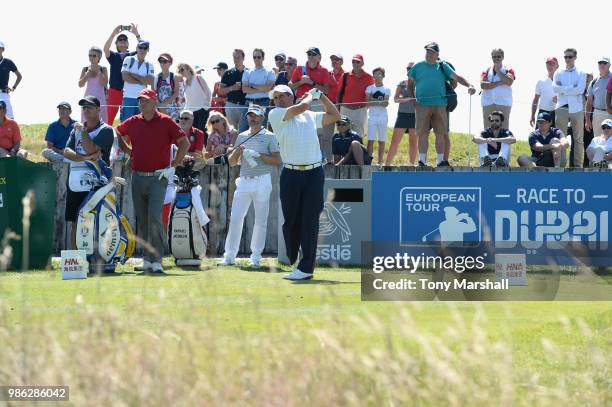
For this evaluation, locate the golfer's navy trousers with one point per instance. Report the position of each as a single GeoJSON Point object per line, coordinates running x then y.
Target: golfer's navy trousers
{"type": "Point", "coordinates": [301, 195]}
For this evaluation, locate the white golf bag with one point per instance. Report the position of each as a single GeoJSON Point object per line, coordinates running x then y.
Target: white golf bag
{"type": "Point", "coordinates": [102, 230]}
{"type": "Point", "coordinates": [186, 230]}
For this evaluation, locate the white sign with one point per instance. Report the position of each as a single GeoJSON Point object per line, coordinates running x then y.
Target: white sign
{"type": "Point", "coordinates": [512, 267]}
{"type": "Point", "coordinates": [74, 264]}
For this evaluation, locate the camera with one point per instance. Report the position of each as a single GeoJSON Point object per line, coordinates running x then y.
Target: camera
{"type": "Point", "coordinates": [126, 28]}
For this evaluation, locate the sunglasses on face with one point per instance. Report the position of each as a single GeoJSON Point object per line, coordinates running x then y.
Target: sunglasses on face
{"type": "Point", "coordinates": [163, 61]}
{"type": "Point", "coordinates": [568, 56]}
{"type": "Point", "coordinates": [144, 48]}
{"type": "Point", "coordinates": [495, 121]}
{"type": "Point", "coordinates": [496, 56]}
{"type": "Point", "coordinates": [186, 118]}
{"type": "Point", "coordinates": [606, 127]}
{"type": "Point", "coordinates": [88, 107]}
{"type": "Point", "coordinates": [215, 121]}
{"type": "Point", "coordinates": [311, 54]}
{"type": "Point", "coordinates": [603, 63]}
{"type": "Point", "coordinates": [257, 57]}
{"type": "Point", "coordinates": [356, 62]}
{"type": "Point", "coordinates": [289, 63]}
{"type": "Point", "coordinates": [92, 56]}
{"type": "Point", "coordinates": [278, 59]}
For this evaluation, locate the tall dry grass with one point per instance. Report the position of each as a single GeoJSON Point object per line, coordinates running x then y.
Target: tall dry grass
{"type": "Point", "coordinates": [114, 358]}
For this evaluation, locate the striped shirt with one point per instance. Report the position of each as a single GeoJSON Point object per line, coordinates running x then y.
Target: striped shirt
{"type": "Point", "coordinates": [297, 137]}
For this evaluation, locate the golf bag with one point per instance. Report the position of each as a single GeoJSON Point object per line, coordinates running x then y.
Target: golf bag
{"type": "Point", "coordinates": [102, 230]}
{"type": "Point", "coordinates": [186, 234]}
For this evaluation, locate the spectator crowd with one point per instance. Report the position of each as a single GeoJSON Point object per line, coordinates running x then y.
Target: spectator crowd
{"type": "Point", "coordinates": [574, 103]}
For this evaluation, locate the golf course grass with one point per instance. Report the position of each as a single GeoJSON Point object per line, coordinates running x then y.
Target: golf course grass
{"type": "Point", "coordinates": [236, 336]}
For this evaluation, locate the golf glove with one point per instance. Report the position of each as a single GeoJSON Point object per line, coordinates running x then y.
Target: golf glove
{"type": "Point", "coordinates": [167, 173]}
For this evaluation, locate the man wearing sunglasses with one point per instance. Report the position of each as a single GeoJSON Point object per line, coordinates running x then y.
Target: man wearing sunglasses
{"type": "Point", "coordinates": [494, 142]}
{"type": "Point", "coordinates": [256, 84]}
{"type": "Point", "coordinates": [137, 73]}
{"type": "Point", "coordinates": [496, 82]}
{"type": "Point", "coordinates": [347, 146]}
{"type": "Point", "coordinates": [548, 145]}
{"type": "Point", "coordinates": [302, 178]}
{"type": "Point", "coordinates": [115, 59]}
{"type": "Point", "coordinates": [569, 85]}
{"type": "Point", "coordinates": [313, 75]}
{"type": "Point", "coordinates": [279, 62]}
{"type": "Point", "coordinates": [284, 76]}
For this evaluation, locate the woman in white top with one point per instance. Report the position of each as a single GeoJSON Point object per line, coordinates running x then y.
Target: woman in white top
{"type": "Point", "coordinates": [197, 95]}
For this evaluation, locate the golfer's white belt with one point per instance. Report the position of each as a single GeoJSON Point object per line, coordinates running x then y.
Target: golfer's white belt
{"type": "Point", "coordinates": [147, 174]}
{"type": "Point", "coordinates": [302, 167]}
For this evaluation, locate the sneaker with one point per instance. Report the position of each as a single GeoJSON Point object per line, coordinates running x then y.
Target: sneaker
{"type": "Point", "coordinates": [146, 266]}
{"type": "Point", "coordinates": [444, 163]}
{"type": "Point", "coordinates": [500, 162]}
{"type": "Point", "coordinates": [157, 268]}
{"type": "Point", "coordinates": [254, 263]}
{"type": "Point", "coordinates": [421, 164]}
{"type": "Point", "coordinates": [226, 262]}
{"type": "Point", "coordinates": [297, 275]}
{"type": "Point", "coordinates": [487, 162]}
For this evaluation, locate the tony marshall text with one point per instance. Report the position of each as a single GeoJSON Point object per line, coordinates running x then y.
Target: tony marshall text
{"type": "Point", "coordinates": [426, 284]}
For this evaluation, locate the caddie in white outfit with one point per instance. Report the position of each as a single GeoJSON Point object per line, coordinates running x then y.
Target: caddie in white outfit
{"type": "Point", "coordinates": [258, 152]}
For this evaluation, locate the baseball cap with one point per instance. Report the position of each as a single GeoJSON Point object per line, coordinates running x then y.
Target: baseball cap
{"type": "Point", "coordinates": [604, 59]}
{"type": "Point", "coordinates": [89, 100]}
{"type": "Point", "coordinates": [1, 45]}
{"type": "Point", "coordinates": [143, 43]}
{"type": "Point", "coordinates": [433, 46]}
{"type": "Point", "coordinates": [221, 65]}
{"type": "Point", "coordinates": [344, 119]}
{"type": "Point", "coordinates": [607, 122]}
{"type": "Point", "coordinates": [281, 56]}
{"type": "Point", "coordinates": [2, 105]}
{"type": "Point", "coordinates": [65, 105]}
{"type": "Point", "coordinates": [281, 89]}
{"type": "Point", "coordinates": [550, 60]}
{"type": "Point", "coordinates": [544, 117]}
{"type": "Point", "coordinates": [166, 56]}
{"type": "Point", "coordinates": [122, 37]}
{"type": "Point", "coordinates": [358, 57]}
{"type": "Point", "coordinates": [313, 50]}
{"type": "Point", "coordinates": [336, 55]}
{"type": "Point", "coordinates": [257, 109]}
{"type": "Point", "coordinates": [149, 94]}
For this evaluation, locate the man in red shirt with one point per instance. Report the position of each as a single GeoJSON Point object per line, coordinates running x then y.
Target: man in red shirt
{"type": "Point", "coordinates": [352, 96]}
{"type": "Point", "coordinates": [151, 135]}
{"type": "Point", "coordinates": [313, 75]}
{"type": "Point", "coordinates": [10, 136]}
{"type": "Point", "coordinates": [337, 72]}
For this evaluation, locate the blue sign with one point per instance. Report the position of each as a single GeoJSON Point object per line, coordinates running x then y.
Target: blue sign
{"type": "Point", "coordinates": [537, 213]}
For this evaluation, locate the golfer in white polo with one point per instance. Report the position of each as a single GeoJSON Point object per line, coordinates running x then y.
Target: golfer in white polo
{"type": "Point", "coordinates": [258, 152]}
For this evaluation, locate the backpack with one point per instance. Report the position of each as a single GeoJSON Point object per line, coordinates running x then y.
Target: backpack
{"type": "Point", "coordinates": [160, 80]}
{"type": "Point", "coordinates": [133, 59]}
{"type": "Point", "coordinates": [451, 95]}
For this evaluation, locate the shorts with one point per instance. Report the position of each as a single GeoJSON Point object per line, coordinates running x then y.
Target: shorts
{"type": "Point", "coordinates": [405, 121]}
{"type": "Point", "coordinates": [431, 117]}
{"type": "Point", "coordinates": [73, 202]}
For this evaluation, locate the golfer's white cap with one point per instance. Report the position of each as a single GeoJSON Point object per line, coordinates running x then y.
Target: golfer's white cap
{"type": "Point", "coordinates": [1, 45]}
{"type": "Point", "coordinates": [280, 89]}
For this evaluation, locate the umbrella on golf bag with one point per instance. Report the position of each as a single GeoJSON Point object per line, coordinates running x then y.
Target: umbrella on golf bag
{"type": "Point", "coordinates": [102, 230]}
{"type": "Point", "coordinates": [186, 231]}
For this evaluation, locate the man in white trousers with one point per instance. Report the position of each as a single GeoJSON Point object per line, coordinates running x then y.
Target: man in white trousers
{"type": "Point", "coordinates": [258, 152]}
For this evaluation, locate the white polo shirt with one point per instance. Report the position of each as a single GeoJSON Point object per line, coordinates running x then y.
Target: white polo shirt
{"type": "Point", "coordinates": [297, 137]}
{"type": "Point", "coordinates": [131, 64]}
{"type": "Point", "coordinates": [545, 90]}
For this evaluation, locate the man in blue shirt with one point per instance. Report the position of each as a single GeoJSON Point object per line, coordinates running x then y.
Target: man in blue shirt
{"type": "Point", "coordinates": [548, 145]}
{"type": "Point", "coordinates": [58, 133]}
{"type": "Point", "coordinates": [347, 146]}
{"type": "Point", "coordinates": [115, 59]}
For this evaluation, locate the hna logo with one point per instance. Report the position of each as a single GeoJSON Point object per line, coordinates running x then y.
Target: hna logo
{"type": "Point", "coordinates": [332, 220]}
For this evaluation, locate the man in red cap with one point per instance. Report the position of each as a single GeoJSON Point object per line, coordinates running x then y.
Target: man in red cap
{"type": "Point", "coordinates": [151, 135]}
{"type": "Point", "coordinates": [545, 99]}
{"type": "Point", "coordinates": [352, 95]}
